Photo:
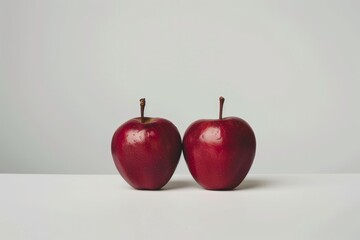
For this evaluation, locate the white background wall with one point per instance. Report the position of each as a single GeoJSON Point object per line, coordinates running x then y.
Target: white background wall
{"type": "Point", "coordinates": [72, 71]}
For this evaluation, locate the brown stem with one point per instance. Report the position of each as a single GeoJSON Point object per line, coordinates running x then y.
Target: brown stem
{"type": "Point", "coordinates": [222, 100]}
{"type": "Point", "coordinates": [142, 108]}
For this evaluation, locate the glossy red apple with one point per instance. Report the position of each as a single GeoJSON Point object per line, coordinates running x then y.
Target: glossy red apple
{"type": "Point", "coordinates": [146, 151]}
{"type": "Point", "coordinates": [219, 153]}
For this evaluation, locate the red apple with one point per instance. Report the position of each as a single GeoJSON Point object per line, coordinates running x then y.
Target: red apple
{"type": "Point", "coordinates": [146, 151]}
{"type": "Point", "coordinates": [219, 153]}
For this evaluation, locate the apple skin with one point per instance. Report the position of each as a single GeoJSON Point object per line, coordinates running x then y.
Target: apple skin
{"type": "Point", "coordinates": [219, 153]}
{"type": "Point", "coordinates": [146, 153]}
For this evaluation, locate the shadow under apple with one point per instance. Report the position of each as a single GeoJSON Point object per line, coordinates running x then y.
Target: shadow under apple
{"type": "Point", "coordinates": [247, 184]}
{"type": "Point", "coordinates": [252, 184]}
{"type": "Point", "coordinates": [177, 184]}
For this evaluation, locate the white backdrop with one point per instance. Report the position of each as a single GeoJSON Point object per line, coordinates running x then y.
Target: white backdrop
{"type": "Point", "coordinates": [72, 71]}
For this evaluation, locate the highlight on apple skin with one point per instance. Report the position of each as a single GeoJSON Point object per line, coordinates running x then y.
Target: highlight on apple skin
{"type": "Point", "coordinates": [219, 152]}
{"type": "Point", "coordinates": [146, 151]}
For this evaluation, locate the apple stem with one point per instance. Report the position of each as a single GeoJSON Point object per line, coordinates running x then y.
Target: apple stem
{"type": "Point", "coordinates": [142, 108]}
{"type": "Point", "coordinates": [222, 100]}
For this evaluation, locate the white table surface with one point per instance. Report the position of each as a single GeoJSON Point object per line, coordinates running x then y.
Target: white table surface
{"type": "Point", "coordinates": [105, 207]}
